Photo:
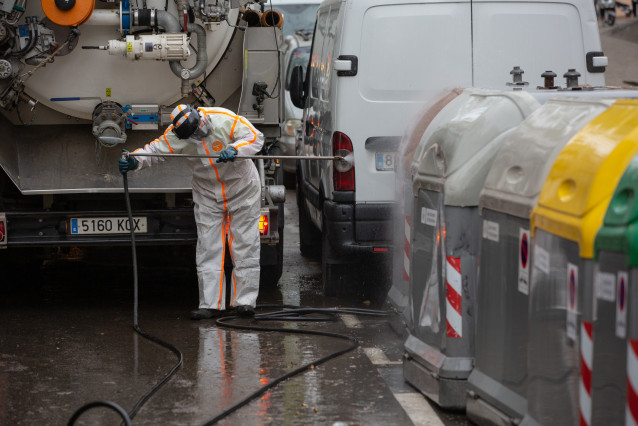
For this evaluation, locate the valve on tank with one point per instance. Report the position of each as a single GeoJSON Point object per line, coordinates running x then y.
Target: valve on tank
{"type": "Point", "coordinates": [109, 124]}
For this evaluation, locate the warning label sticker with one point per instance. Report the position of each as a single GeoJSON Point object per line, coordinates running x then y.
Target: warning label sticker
{"type": "Point", "coordinates": [605, 286]}
{"type": "Point", "coordinates": [429, 216]}
{"type": "Point", "coordinates": [541, 259]}
{"type": "Point", "coordinates": [523, 260]}
{"type": "Point", "coordinates": [621, 304]}
{"type": "Point", "coordinates": [490, 230]}
{"type": "Point", "coordinates": [572, 300]}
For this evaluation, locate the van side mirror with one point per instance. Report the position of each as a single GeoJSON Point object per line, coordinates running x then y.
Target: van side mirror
{"type": "Point", "coordinates": [297, 94]}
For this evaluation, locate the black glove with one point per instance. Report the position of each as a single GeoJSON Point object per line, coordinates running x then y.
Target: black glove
{"type": "Point", "coordinates": [126, 164]}
{"type": "Point", "coordinates": [227, 154]}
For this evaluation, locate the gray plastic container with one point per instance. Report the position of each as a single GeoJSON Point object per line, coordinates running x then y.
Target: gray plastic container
{"type": "Point", "coordinates": [455, 156]}
{"type": "Point", "coordinates": [498, 384]}
{"type": "Point", "coordinates": [398, 295]}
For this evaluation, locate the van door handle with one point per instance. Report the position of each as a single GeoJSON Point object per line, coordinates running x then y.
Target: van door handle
{"type": "Point", "coordinates": [346, 65]}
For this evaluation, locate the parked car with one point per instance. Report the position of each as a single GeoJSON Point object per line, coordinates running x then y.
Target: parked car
{"type": "Point", "coordinates": [299, 21]}
{"type": "Point", "coordinates": [295, 56]}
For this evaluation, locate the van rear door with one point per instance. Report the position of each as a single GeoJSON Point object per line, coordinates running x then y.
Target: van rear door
{"type": "Point", "coordinates": [407, 54]}
{"type": "Point", "coordinates": [536, 36]}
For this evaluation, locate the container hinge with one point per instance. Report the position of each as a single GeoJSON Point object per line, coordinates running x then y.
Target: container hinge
{"type": "Point", "coordinates": [346, 65]}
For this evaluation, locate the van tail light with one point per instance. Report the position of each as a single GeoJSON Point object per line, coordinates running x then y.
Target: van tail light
{"type": "Point", "coordinates": [264, 223]}
{"type": "Point", "coordinates": [3, 230]}
{"type": "Point", "coordinates": [343, 170]}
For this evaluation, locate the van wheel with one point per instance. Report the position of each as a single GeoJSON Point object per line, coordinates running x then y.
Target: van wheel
{"type": "Point", "coordinates": [308, 234]}
{"type": "Point", "coordinates": [334, 276]}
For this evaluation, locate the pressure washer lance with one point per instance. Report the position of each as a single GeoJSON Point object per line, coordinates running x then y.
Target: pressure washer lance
{"type": "Point", "coordinates": [347, 158]}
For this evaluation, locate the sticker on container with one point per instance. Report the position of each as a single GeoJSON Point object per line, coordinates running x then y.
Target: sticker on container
{"type": "Point", "coordinates": [490, 230]}
{"type": "Point", "coordinates": [605, 286]}
{"type": "Point", "coordinates": [429, 216]}
{"type": "Point", "coordinates": [572, 300]}
{"type": "Point", "coordinates": [621, 304]}
{"type": "Point", "coordinates": [541, 259]}
{"type": "Point", "coordinates": [523, 261]}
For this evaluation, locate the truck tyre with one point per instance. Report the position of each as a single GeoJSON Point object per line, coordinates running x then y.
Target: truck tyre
{"type": "Point", "coordinates": [290, 181]}
{"type": "Point", "coordinates": [269, 275]}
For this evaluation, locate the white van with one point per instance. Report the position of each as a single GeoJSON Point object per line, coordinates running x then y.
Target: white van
{"type": "Point", "coordinates": [374, 62]}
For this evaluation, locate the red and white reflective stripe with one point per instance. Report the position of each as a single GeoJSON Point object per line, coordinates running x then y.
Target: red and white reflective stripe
{"type": "Point", "coordinates": [406, 250]}
{"type": "Point", "coordinates": [453, 297]}
{"type": "Point", "coordinates": [586, 356]}
{"type": "Point", "coordinates": [631, 413]}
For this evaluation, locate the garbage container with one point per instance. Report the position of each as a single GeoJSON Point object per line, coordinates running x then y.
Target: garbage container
{"type": "Point", "coordinates": [455, 160]}
{"type": "Point", "coordinates": [564, 223]}
{"type": "Point", "coordinates": [615, 328]}
{"type": "Point", "coordinates": [498, 384]}
{"type": "Point", "coordinates": [399, 291]}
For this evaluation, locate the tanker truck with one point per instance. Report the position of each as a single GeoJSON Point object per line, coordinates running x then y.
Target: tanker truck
{"type": "Point", "coordinates": [82, 80]}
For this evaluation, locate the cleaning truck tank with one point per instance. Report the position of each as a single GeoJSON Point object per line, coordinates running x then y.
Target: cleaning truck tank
{"type": "Point", "coordinates": [80, 81]}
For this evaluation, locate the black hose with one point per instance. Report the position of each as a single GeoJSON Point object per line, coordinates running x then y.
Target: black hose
{"type": "Point", "coordinates": [291, 313]}
{"type": "Point", "coordinates": [287, 313]}
{"type": "Point", "coordinates": [180, 358]}
{"type": "Point", "coordinates": [108, 404]}
{"type": "Point", "coordinates": [33, 39]}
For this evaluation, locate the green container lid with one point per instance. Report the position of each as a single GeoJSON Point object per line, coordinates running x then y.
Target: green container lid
{"type": "Point", "coordinates": [619, 232]}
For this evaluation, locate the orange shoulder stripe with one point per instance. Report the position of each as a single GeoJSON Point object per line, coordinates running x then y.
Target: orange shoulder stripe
{"type": "Point", "coordinates": [252, 130]}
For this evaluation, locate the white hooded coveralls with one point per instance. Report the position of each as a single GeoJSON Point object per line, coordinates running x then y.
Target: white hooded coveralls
{"type": "Point", "coordinates": [227, 200]}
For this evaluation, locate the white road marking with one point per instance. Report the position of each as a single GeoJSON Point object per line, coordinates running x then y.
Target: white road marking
{"type": "Point", "coordinates": [377, 357]}
{"type": "Point", "coordinates": [351, 321]}
{"type": "Point", "coordinates": [418, 409]}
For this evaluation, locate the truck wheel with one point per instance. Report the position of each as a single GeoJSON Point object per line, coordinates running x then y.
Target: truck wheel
{"type": "Point", "coordinates": [290, 181]}
{"type": "Point", "coordinates": [269, 274]}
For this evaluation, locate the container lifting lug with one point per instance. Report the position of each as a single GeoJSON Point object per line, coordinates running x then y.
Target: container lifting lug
{"type": "Point", "coordinates": [517, 78]}
{"type": "Point", "coordinates": [548, 80]}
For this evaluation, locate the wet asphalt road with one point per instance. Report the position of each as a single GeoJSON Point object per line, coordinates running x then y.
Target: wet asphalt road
{"type": "Point", "coordinates": [66, 339]}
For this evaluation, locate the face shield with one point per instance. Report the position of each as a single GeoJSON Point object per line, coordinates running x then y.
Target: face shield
{"type": "Point", "coordinates": [202, 131]}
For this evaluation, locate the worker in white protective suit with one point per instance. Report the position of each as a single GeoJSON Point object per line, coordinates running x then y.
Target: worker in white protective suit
{"type": "Point", "coordinates": [227, 196]}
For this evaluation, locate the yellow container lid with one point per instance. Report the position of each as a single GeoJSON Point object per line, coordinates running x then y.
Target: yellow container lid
{"type": "Point", "coordinates": [579, 186]}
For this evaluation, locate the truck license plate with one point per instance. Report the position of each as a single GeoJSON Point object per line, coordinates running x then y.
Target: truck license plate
{"type": "Point", "coordinates": [106, 225]}
{"type": "Point", "coordinates": [385, 161]}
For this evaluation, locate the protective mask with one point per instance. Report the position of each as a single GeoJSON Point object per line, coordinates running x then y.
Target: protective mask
{"type": "Point", "coordinates": [203, 131]}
